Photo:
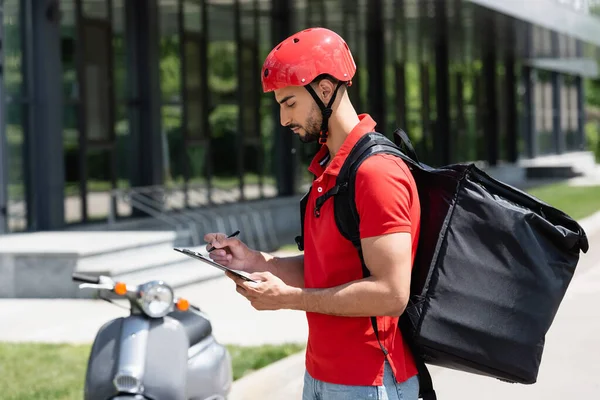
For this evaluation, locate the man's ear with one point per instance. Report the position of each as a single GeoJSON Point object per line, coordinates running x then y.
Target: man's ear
{"type": "Point", "coordinates": [325, 89]}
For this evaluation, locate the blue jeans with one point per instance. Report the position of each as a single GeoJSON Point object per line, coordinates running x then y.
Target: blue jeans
{"type": "Point", "coordinates": [390, 390]}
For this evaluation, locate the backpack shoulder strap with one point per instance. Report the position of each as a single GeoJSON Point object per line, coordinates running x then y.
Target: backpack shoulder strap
{"type": "Point", "coordinates": [303, 203]}
{"type": "Point", "coordinates": [346, 215]}
{"type": "Point", "coordinates": [348, 221]}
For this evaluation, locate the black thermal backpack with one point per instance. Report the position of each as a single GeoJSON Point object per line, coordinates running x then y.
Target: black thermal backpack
{"type": "Point", "coordinates": [492, 266]}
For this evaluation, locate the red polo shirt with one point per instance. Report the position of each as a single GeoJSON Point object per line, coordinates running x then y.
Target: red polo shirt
{"type": "Point", "coordinates": [344, 350]}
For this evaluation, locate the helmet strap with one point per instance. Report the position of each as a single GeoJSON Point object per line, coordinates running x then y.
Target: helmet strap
{"type": "Point", "coordinates": [325, 110]}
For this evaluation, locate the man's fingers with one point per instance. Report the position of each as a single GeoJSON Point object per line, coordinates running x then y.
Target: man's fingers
{"type": "Point", "coordinates": [211, 237]}
{"type": "Point", "coordinates": [241, 290]}
{"type": "Point", "coordinates": [262, 276]}
{"type": "Point", "coordinates": [251, 285]}
{"type": "Point", "coordinates": [220, 256]}
{"type": "Point", "coordinates": [219, 241]}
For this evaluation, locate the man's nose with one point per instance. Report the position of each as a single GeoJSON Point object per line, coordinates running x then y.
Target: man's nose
{"type": "Point", "coordinates": [284, 118]}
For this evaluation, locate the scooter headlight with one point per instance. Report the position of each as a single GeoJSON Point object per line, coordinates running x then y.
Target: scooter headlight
{"type": "Point", "coordinates": [156, 299]}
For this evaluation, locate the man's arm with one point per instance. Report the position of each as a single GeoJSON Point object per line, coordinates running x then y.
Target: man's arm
{"type": "Point", "coordinates": [386, 200]}
{"type": "Point", "coordinates": [289, 269]}
{"type": "Point", "coordinates": [385, 292]}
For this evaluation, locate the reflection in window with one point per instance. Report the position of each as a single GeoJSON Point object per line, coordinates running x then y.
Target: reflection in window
{"type": "Point", "coordinates": [97, 9]}
{"type": "Point", "coordinates": [17, 209]}
{"type": "Point", "coordinates": [121, 108]}
{"type": "Point", "coordinates": [98, 182]}
{"type": "Point", "coordinates": [224, 111]}
{"type": "Point", "coordinates": [193, 86]}
{"type": "Point", "coordinates": [192, 16]}
{"type": "Point", "coordinates": [170, 87]}
{"type": "Point", "coordinates": [15, 109]}
{"type": "Point", "coordinates": [96, 75]}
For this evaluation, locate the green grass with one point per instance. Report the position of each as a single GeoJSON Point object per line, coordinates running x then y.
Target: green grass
{"type": "Point", "coordinates": [288, 247]}
{"type": "Point", "coordinates": [576, 201]}
{"type": "Point", "coordinates": [248, 359]}
{"type": "Point", "coordinates": [57, 372]}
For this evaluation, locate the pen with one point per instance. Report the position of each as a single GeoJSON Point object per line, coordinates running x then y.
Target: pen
{"type": "Point", "coordinates": [234, 234]}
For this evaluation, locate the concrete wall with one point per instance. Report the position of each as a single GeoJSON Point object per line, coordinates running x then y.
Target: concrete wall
{"type": "Point", "coordinates": [282, 212]}
{"type": "Point", "coordinates": [37, 275]}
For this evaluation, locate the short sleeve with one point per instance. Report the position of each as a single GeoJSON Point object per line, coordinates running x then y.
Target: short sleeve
{"type": "Point", "coordinates": [383, 196]}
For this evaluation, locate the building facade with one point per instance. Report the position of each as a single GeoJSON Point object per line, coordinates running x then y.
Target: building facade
{"type": "Point", "coordinates": [110, 107]}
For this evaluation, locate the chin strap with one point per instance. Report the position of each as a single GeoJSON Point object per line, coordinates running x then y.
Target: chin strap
{"type": "Point", "coordinates": [325, 110]}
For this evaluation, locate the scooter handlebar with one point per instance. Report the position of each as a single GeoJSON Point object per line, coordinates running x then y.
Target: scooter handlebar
{"type": "Point", "coordinates": [77, 277]}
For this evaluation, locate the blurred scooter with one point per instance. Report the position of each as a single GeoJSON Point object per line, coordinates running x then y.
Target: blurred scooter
{"type": "Point", "coordinates": [164, 350]}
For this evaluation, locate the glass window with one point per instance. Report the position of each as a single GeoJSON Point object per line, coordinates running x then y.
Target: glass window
{"type": "Point", "coordinates": [192, 48]}
{"type": "Point", "coordinates": [96, 9]}
{"type": "Point", "coordinates": [224, 111]}
{"type": "Point", "coordinates": [73, 212]}
{"type": "Point", "coordinates": [99, 182]}
{"type": "Point", "coordinates": [548, 107]}
{"type": "Point", "coordinates": [12, 49]}
{"type": "Point", "coordinates": [574, 114]}
{"type": "Point", "coordinates": [121, 119]}
{"type": "Point", "coordinates": [170, 86]}
{"type": "Point", "coordinates": [266, 121]}
{"type": "Point", "coordinates": [15, 112]}
{"type": "Point", "coordinates": [192, 16]}
{"type": "Point", "coordinates": [96, 76]}
{"type": "Point", "coordinates": [564, 107]}
{"type": "Point", "coordinates": [15, 141]}
{"type": "Point", "coordinates": [538, 108]}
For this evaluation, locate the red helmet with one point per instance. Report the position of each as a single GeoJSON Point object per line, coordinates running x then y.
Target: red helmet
{"type": "Point", "coordinates": [302, 57]}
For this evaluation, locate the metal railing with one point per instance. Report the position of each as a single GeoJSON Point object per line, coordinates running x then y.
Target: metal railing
{"type": "Point", "coordinates": [157, 202]}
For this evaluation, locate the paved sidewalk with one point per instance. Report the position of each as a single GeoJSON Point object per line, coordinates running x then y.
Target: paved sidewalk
{"type": "Point", "coordinates": [77, 320]}
{"type": "Point", "coordinates": [569, 367]}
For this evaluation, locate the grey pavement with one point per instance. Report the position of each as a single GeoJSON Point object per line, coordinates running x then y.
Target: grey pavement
{"type": "Point", "coordinates": [569, 369]}
{"type": "Point", "coordinates": [569, 366]}
{"type": "Point", "coordinates": [77, 320]}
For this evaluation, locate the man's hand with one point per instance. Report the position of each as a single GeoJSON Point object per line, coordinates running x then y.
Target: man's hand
{"type": "Point", "coordinates": [231, 252]}
{"type": "Point", "coordinates": [271, 293]}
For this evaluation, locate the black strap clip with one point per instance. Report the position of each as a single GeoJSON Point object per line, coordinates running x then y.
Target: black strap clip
{"type": "Point", "coordinates": [339, 188]}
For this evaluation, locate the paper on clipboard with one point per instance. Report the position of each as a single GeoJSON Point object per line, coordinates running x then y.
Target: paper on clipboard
{"type": "Point", "coordinates": [190, 253]}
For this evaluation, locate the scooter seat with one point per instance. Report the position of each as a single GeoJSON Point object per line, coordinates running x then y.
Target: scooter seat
{"type": "Point", "coordinates": [196, 327]}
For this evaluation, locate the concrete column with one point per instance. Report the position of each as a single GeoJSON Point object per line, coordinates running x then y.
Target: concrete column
{"type": "Point", "coordinates": [527, 79]}
{"type": "Point", "coordinates": [443, 129]}
{"type": "Point", "coordinates": [375, 64]}
{"type": "Point", "coordinates": [512, 151]}
{"type": "Point", "coordinates": [580, 101]}
{"type": "Point", "coordinates": [3, 147]}
{"type": "Point", "coordinates": [3, 175]}
{"type": "Point", "coordinates": [3, 164]}
{"type": "Point", "coordinates": [284, 157]}
{"type": "Point", "coordinates": [490, 121]}
{"type": "Point", "coordinates": [142, 35]}
{"type": "Point", "coordinates": [44, 140]}
{"type": "Point", "coordinates": [580, 112]}
{"type": "Point", "coordinates": [557, 85]}
{"type": "Point", "coordinates": [557, 132]}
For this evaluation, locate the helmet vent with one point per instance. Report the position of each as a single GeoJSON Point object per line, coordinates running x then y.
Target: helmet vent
{"type": "Point", "coordinates": [278, 47]}
{"type": "Point", "coordinates": [296, 40]}
{"type": "Point", "coordinates": [266, 72]}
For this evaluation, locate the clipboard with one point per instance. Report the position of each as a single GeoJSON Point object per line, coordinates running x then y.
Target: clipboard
{"type": "Point", "coordinates": [190, 253]}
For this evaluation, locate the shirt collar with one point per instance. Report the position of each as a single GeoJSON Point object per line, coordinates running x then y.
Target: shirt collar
{"type": "Point", "coordinates": [365, 125]}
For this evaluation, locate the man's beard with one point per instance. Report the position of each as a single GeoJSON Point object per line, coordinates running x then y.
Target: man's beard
{"type": "Point", "coordinates": [312, 130]}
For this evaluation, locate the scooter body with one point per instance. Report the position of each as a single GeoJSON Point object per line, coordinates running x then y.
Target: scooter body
{"type": "Point", "coordinates": [171, 357]}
